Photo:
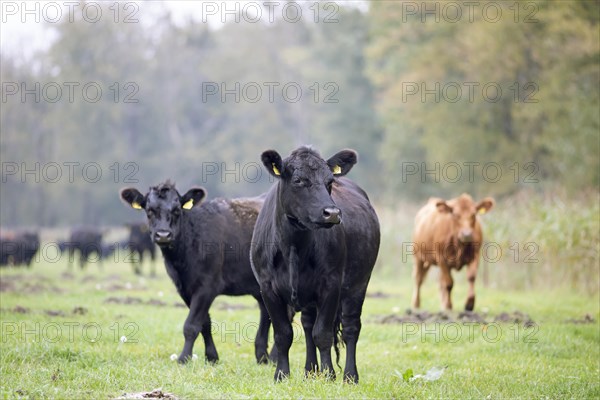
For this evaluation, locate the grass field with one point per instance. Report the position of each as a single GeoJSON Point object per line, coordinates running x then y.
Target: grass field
{"type": "Point", "coordinates": [63, 336]}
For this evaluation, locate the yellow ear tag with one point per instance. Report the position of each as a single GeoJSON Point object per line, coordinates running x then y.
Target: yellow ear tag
{"type": "Point", "coordinates": [337, 170]}
{"type": "Point", "coordinates": [188, 204]}
{"type": "Point", "coordinates": [136, 206]}
{"type": "Point", "coordinates": [482, 210]}
{"type": "Point", "coordinates": [276, 170]}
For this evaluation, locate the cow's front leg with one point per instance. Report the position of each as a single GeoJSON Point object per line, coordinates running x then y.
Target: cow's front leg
{"type": "Point", "coordinates": [282, 328]}
{"type": "Point", "coordinates": [324, 329]}
{"type": "Point", "coordinates": [308, 322]}
{"type": "Point", "coordinates": [446, 284]}
{"type": "Point", "coordinates": [419, 272]}
{"type": "Point", "coordinates": [471, 275]}
{"type": "Point", "coordinates": [273, 353]}
{"type": "Point", "coordinates": [198, 321]}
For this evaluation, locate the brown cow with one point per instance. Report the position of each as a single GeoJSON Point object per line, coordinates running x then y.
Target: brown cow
{"type": "Point", "coordinates": [448, 234]}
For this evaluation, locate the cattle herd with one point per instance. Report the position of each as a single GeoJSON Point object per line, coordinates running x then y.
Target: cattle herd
{"type": "Point", "coordinates": [20, 248]}
{"type": "Point", "coordinates": [308, 245]}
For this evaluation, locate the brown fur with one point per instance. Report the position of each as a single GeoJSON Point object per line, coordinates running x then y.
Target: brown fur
{"type": "Point", "coordinates": [448, 234]}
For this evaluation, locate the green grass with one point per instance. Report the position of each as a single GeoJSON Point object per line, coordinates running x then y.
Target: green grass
{"type": "Point", "coordinates": [560, 360]}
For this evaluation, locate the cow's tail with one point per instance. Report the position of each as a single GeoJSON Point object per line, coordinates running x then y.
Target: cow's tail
{"type": "Point", "coordinates": [337, 337]}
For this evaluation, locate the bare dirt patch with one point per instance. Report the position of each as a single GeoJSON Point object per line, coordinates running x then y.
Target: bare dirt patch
{"type": "Point", "coordinates": [587, 319]}
{"type": "Point", "coordinates": [26, 285]}
{"type": "Point", "coordinates": [137, 301]}
{"type": "Point", "coordinates": [378, 295]}
{"type": "Point", "coordinates": [422, 317]}
{"type": "Point", "coordinates": [79, 311]}
{"type": "Point", "coordinates": [67, 275]}
{"type": "Point", "coordinates": [155, 394]}
{"type": "Point", "coordinates": [55, 313]}
{"type": "Point", "coordinates": [17, 310]}
{"type": "Point", "coordinates": [233, 307]}
{"type": "Point", "coordinates": [123, 300]}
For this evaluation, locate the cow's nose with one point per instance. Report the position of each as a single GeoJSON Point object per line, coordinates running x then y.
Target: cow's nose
{"type": "Point", "coordinates": [332, 215]}
{"type": "Point", "coordinates": [162, 236]}
{"type": "Point", "coordinates": [466, 235]}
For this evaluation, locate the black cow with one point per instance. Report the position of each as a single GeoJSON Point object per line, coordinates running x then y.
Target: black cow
{"type": "Point", "coordinates": [18, 248]}
{"type": "Point", "coordinates": [205, 247]}
{"type": "Point", "coordinates": [88, 241]}
{"type": "Point", "coordinates": [108, 249]}
{"type": "Point", "coordinates": [314, 246]}
{"type": "Point", "coordinates": [139, 242]}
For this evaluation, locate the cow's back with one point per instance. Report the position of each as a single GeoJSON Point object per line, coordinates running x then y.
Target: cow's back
{"type": "Point", "coordinates": [227, 225]}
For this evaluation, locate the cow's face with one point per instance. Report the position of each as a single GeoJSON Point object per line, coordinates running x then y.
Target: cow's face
{"type": "Point", "coordinates": [464, 214]}
{"type": "Point", "coordinates": [306, 183]}
{"type": "Point", "coordinates": [164, 208]}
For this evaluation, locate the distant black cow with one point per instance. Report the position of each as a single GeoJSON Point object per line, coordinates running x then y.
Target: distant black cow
{"type": "Point", "coordinates": [18, 248]}
{"type": "Point", "coordinates": [108, 249]}
{"type": "Point", "coordinates": [139, 242]}
{"type": "Point", "coordinates": [314, 246]}
{"type": "Point", "coordinates": [87, 241]}
{"type": "Point", "coordinates": [205, 247]}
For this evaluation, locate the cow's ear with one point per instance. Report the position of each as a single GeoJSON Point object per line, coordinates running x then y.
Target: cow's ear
{"type": "Point", "coordinates": [272, 162]}
{"type": "Point", "coordinates": [341, 163]}
{"type": "Point", "coordinates": [443, 207]}
{"type": "Point", "coordinates": [193, 197]}
{"type": "Point", "coordinates": [134, 198]}
{"type": "Point", "coordinates": [485, 205]}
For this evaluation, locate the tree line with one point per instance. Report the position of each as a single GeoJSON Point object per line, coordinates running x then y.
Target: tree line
{"type": "Point", "coordinates": [433, 106]}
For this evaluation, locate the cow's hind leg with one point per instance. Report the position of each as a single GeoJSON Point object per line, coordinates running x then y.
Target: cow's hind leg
{"type": "Point", "coordinates": [308, 322]}
{"type": "Point", "coordinates": [210, 351]}
{"type": "Point", "coordinates": [262, 335]}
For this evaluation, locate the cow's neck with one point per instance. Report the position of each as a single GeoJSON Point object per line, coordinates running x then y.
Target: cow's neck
{"type": "Point", "coordinates": [294, 241]}
{"type": "Point", "coordinates": [176, 263]}
{"type": "Point", "coordinates": [293, 234]}
{"type": "Point", "coordinates": [175, 254]}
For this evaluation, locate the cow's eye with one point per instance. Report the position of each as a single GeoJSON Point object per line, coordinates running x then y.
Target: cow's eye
{"type": "Point", "coordinates": [297, 181]}
{"type": "Point", "coordinates": [329, 186]}
{"type": "Point", "coordinates": [150, 213]}
{"type": "Point", "coordinates": [176, 212]}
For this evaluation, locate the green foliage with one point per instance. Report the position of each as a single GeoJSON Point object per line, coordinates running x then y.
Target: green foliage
{"type": "Point", "coordinates": [546, 241]}
{"type": "Point", "coordinates": [173, 130]}
{"type": "Point", "coordinates": [543, 133]}
{"type": "Point", "coordinates": [547, 65]}
{"type": "Point", "coordinates": [407, 375]}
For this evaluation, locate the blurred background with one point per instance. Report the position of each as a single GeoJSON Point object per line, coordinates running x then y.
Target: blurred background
{"type": "Point", "coordinates": [439, 98]}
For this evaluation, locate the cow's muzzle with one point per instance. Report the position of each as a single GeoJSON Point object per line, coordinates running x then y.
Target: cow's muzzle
{"type": "Point", "coordinates": [163, 237]}
{"type": "Point", "coordinates": [465, 236]}
{"type": "Point", "coordinates": [332, 215]}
